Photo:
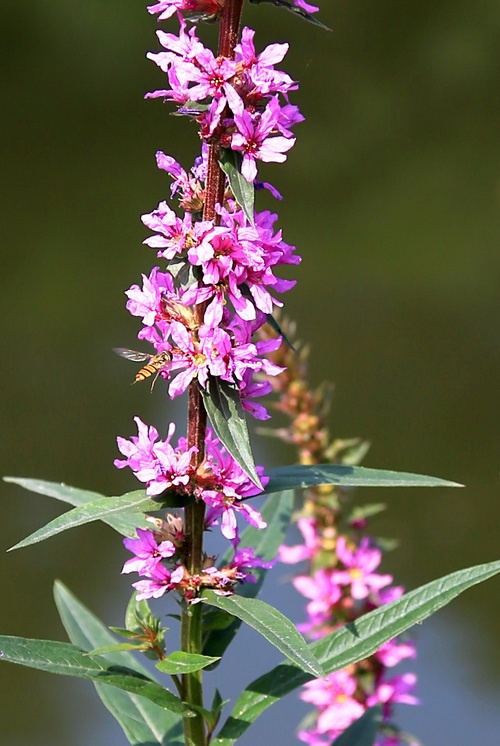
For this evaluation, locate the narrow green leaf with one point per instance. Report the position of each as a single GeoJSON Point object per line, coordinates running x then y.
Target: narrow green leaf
{"type": "Point", "coordinates": [119, 647]}
{"type": "Point", "coordinates": [277, 328]}
{"type": "Point", "coordinates": [136, 611]}
{"type": "Point", "coordinates": [124, 523]}
{"type": "Point", "coordinates": [360, 512]}
{"type": "Point", "coordinates": [294, 9]}
{"type": "Point", "coordinates": [68, 660]}
{"type": "Point", "coordinates": [217, 705]}
{"type": "Point", "coordinates": [134, 502]}
{"type": "Point", "coordinates": [277, 512]}
{"type": "Point", "coordinates": [180, 662]}
{"type": "Point", "coordinates": [243, 190]}
{"type": "Point", "coordinates": [351, 643]}
{"type": "Point", "coordinates": [271, 624]}
{"type": "Point", "coordinates": [223, 404]}
{"type": "Point", "coordinates": [142, 721]}
{"type": "Point", "coordinates": [299, 476]}
{"type": "Point", "coordinates": [363, 731]}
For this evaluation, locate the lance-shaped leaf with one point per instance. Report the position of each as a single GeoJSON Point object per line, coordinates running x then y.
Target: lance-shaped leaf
{"type": "Point", "coordinates": [299, 476]}
{"type": "Point", "coordinates": [68, 660]}
{"type": "Point", "coordinates": [243, 190]}
{"type": "Point", "coordinates": [276, 512]}
{"type": "Point", "coordinates": [351, 643]}
{"type": "Point", "coordinates": [277, 328]}
{"type": "Point", "coordinates": [124, 523]}
{"type": "Point", "coordinates": [363, 731]}
{"type": "Point", "coordinates": [294, 9]}
{"type": "Point", "coordinates": [142, 721]}
{"type": "Point", "coordinates": [103, 507]}
{"type": "Point", "coordinates": [271, 624]}
{"type": "Point", "coordinates": [223, 404]}
{"type": "Point", "coordinates": [179, 662]}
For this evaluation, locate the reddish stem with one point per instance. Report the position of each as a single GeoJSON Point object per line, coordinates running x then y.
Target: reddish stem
{"type": "Point", "coordinates": [191, 627]}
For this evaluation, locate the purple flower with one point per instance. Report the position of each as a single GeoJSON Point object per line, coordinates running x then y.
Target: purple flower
{"type": "Point", "coordinates": [161, 581]}
{"type": "Point", "coordinates": [360, 564]}
{"type": "Point", "coordinates": [393, 652]}
{"type": "Point", "coordinates": [227, 507]}
{"type": "Point", "coordinates": [305, 6]}
{"type": "Point", "coordinates": [155, 461]}
{"type": "Point", "coordinates": [323, 591]}
{"type": "Point", "coordinates": [307, 550]}
{"type": "Point", "coordinates": [253, 138]}
{"type": "Point", "coordinates": [397, 689]}
{"type": "Point", "coordinates": [148, 553]}
{"type": "Point", "coordinates": [334, 697]}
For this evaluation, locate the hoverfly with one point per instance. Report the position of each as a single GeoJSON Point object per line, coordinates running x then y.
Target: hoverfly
{"type": "Point", "coordinates": [155, 364]}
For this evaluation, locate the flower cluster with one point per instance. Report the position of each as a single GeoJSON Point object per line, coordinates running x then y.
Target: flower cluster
{"type": "Point", "coordinates": [224, 266]}
{"type": "Point", "coordinates": [206, 9]}
{"type": "Point", "coordinates": [341, 591]}
{"type": "Point", "coordinates": [219, 482]}
{"type": "Point", "coordinates": [158, 561]}
{"type": "Point", "coordinates": [214, 286]}
{"type": "Point", "coordinates": [341, 581]}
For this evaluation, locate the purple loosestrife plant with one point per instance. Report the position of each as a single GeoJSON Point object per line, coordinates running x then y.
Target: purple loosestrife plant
{"type": "Point", "coordinates": [208, 309]}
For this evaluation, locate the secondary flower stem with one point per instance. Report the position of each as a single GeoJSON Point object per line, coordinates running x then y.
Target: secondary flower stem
{"type": "Point", "coordinates": [191, 627]}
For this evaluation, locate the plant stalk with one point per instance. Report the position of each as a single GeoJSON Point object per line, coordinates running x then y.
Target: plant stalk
{"type": "Point", "coordinates": [191, 617]}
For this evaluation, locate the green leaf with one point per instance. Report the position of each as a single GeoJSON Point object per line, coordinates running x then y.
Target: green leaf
{"type": "Point", "coordinates": [363, 731]}
{"type": "Point", "coordinates": [361, 512]}
{"type": "Point", "coordinates": [180, 662]}
{"type": "Point", "coordinates": [68, 660]}
{"type": "Point", "coordinates": [118, 647]}
{"type": "Point", "coordinates": [271, 624]}
{"type": "Point", "coordinates": [142, 721]}
{"type": "Point", "coordinates": [223, 404]}
{"type": "Point", "coordinates": [216, 709]}
{"type": "Point", "coordinates": [124, 523]}
{"type": "Point", "coordinates": [294, 9]}
{"type": "Point", "coordinates": [277, 328]}
{"type": "Point", "coordinates": [351, 643]}
{"type": "Point", "coordinates": [136, 612]}
{"type": "Point", "coordinates": [299, 476]}
{"type": "Point", "coordinates": [243, 190]}
{"type": "Point", "coordinates": [277, 512]}
{"type": "Point", "coordinates": [133, 502]}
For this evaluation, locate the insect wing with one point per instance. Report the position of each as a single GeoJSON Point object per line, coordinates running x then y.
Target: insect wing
{"type": "Point", "coordinates": [136, 357]}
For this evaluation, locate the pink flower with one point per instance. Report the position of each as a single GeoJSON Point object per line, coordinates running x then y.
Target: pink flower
{"type": "Point", "coordinates": [397, 689]}
{"type": "Point", "coordinates": [299, 552]}
{"type": "Point", "coordinates": [334, 698]}
{"type": "Point", "coordinates": [154, 461]}
{"type": "Point", "coordinates": [393, 652]}
{"type": "Point", "coordinates": [148, 553]}
{"type": "Point", "coordinates": [161, 581]}
{"type": "Point", "coordinates": [253, 138]}
{"type": "Point", "coordinates": [360, 564]}
{"type": "Point", "coordinates": [324, 592]}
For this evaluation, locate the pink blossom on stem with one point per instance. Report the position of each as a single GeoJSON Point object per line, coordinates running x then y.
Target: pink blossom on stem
{"type": "Point", "coordinates": [160, 581]}
{"type": "Point", "coordinates": [334, 697]}
{"type": "Point", "coordinates": [307, 550]}
{"type": "Point", "coordinates": [148, 552]}
{"type": "Point", "coordinates": [155, 461]}
{"type": "Point", "coordinates": [360, 563]}
{"type": "Point", "coordinates": [253, 138]}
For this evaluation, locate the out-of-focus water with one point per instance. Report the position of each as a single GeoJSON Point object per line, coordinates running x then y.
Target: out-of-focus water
{"type": "Point", "coordinates": [391, 195]}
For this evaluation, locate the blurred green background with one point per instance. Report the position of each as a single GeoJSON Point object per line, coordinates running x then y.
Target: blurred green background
{"type": "Point", "coordinates": [392, 197]}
